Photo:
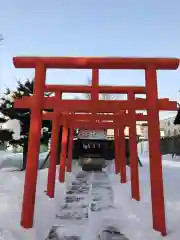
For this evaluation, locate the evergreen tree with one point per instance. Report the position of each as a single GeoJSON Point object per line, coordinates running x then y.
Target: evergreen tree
{"type": "Point", "coordinates": [9, 113]}
{"type": "Point", "coordinates": [4, 134]}
{"type": "Point", "coordinates": [22, 115]}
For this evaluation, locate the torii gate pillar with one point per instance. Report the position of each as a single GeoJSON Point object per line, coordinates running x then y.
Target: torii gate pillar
{"type": "Point", "coordinates": [116, 151]}
{"type": "Point", "coordinates": [70, 148]}
{"type": "Point", "coordinates": [135, 193]}
{"type": "Point", "coordinates": [156, 176]}
{"type": "Point", "coordinates": [33, 148]}
{"type": "Point", "coordinates": [63, 154]}
{"type": "Point", "coordinates": [54, 151]}
{"type": "Point", "coordinates": [121, 141]}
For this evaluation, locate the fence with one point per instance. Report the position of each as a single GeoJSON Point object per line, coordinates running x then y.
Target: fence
{"type": "Point", "coordinates": [169, 145]}
{"type": "Point", "coordinates": [143, 148]}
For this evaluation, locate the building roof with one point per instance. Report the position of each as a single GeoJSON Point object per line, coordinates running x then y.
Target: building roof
{"type": "Point", "coordinates": [177, 118]}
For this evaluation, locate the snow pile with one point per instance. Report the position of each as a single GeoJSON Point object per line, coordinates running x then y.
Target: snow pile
{"type": "Point", "coordinates": [11, 194]}
{"type": "Point", "coordinates": [168, 157]}
{"type": "Point", "coordinates": [14, 160]}
{"type": "Point", "coordinates": [2, 115]}
{"type": "Point", "coordinates": [135, 218]}
{"type": "Point", "coordinates": [14, 126]}
{"type": "Point", "coordinates": [1, 101]}
{"type": "Point", "coordinates": [9, 97]}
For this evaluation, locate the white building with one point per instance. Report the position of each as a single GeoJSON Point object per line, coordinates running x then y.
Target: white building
{"type": "Point", "coordinates": [169, 128]}
{"type": "Point", "coordinates": [110, 132]}
{"type": "Point", "coordinates": [144, 131]}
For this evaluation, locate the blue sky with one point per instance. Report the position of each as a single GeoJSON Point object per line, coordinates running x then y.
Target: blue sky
{"type": "Point", "coordinates": [142, 28]}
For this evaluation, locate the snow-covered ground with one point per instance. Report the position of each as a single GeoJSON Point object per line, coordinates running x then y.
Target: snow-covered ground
{"type": "Point", "coordinates": [135, 217]}
{"type": "Point", "coordinates": [132, 218]}
{"type": "Point", "coordinates": [15, 160]}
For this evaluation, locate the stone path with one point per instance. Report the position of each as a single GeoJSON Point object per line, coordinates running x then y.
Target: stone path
{"type": "Point", "coordinates": [102, 199]}
{"type": "Point", "coordinates": [89, 195]}
{"type": "Point", "coordinates": [72, 217]}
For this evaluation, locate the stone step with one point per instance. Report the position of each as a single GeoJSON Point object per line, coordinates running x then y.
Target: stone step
{"type": "Point", "coordinates": [90, 194]}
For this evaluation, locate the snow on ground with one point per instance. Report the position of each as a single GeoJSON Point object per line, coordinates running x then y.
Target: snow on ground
{"type": "Point", "coordinates": [132, 218]}
{"type": "Point", "coordinates": [14, 160]}
{"type": "Point", "coordinates": [135, 217]}
{"type": "Point", "coordinates": [11, 194]}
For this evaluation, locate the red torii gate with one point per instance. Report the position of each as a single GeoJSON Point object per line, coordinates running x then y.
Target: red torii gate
{"type": "Point", "coordinates": [152, 104]}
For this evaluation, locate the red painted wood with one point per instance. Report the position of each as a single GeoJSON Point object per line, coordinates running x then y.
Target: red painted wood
{"type": "Point", "coordinates": [135, 193]}
{"type": "Point", "coordinates": [70, 148]}
{"type": "Point", "coordinates": [62, 168]}
{"type": "Point", "coordinates": [102, 106]}
{"type": "Point", "coordinates": [116, 147]}
{"type": "Point", "coordinates": [53, 152]}
{"type": "Point", "coordinates": [152, 104]}
{"type": "Point", "coordinates": [100, 89]}
{"type": "Point", "coordinates": [27, 214]}
{"type": "Point", "coordinates": [156, 177]}
{"type": "Point", "coordinates": [96, 62]}
{"type": "Point", "coordinates": [122, 154]}
{"type": "Point", "coordinates": [78, 118]}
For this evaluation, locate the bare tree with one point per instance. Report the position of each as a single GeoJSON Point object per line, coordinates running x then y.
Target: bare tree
{"type": "Point", "coordinates": [104, 96]}
{"type": "Point", "coordinates": [1, 37]}
{"type": "Point", "coordinates": [88, 95]}
{"type": "Point", "coordinates": [109, 96]}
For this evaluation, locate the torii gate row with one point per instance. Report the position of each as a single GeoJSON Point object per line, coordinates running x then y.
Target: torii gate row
{"type": "Point", "coordinates": [79, 121]}
{"type": "Point", "coordinates": [120, 120]}
{"type": "Point", "coordinates": [151, 104]}
{"type": "Point", "coordinates": [85, 121]}
{"type": "Point", "coordinates": [101, 106]}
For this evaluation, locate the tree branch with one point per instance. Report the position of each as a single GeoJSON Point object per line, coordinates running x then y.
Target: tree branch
{"type": "Point", "coordinates": [1, 37]}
